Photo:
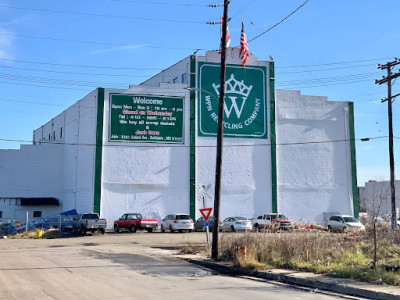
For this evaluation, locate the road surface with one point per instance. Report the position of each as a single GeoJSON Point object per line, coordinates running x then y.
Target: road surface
{"type": "Point", "coordinates": [122, 266]}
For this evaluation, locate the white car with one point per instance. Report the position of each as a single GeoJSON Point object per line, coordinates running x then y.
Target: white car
{"type": "Point", "coordinates": [344, 223]}
{"type": "Point", "coordinates": [236, 224]}
{"type": "Point", "coordinates": [178, 222]}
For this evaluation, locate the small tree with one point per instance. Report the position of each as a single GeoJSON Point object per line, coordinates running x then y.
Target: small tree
{"type": "Point", "coordinates": [377, 201]}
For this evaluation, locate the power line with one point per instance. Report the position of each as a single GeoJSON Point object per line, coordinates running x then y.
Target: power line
{"type": "Point", "coordinates": [95, 42]}
{"type": "Point", "coordinates": [56, 81]}
{"type": "Point", "coordinates": [76, 66]}
{"type": "Point", "coordinates": [129, 68]}
{"type": "Point", "coordinates": [328, 69]}
{"type": "Point", "coordinates": [272, 27]}
{"type": "Point", "coordinates": [242, 9]}
{"type": "Point", "coordinates": [73, 73]}
{"type": "Point", "coordinates": [169, 3]}
{"type": "Point", "coordinates": [43, 86]}
{"type": "Point", "coordinates": [332, 63]}
{"type": "Point", "coordinates": [38, 103]}
{"type": "Point", "coordinates": [101, 15]}
{"type": "Point", "coordinates": [197, 146]}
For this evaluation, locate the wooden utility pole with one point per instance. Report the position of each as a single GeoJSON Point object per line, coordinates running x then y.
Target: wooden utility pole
{"type": "Point", "coordinates": [388, 79]}
{"type": "Point", "coordinates": [220, 133]}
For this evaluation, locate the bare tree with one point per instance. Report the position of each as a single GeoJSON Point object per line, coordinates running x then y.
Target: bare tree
{"type": "Point", "coordinates": [376, 203]}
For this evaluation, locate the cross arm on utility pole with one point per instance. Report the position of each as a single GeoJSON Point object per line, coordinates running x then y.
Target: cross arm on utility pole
{"type": "Point", "coordinates": [386, 79]}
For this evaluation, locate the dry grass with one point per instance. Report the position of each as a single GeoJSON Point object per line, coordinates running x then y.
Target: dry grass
{"type": "Point", "coordinates": [342, 255]}
{"type": "Point", "coordinates": [47, 234]}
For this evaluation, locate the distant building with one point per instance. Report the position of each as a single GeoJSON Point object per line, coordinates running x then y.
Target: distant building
{"type": "Point", "coordinates": [151, 149]}
{"type": "Point", "coordinates": [377, 198]}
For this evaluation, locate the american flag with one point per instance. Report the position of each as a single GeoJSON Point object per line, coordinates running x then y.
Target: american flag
{"type": "Point", "coordinates": [228, 37]}
{"type": "Point", "coordinates": [244, 49]}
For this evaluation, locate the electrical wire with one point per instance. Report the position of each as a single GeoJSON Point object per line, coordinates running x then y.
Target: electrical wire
{"type": "Point", "coordinates": [101, 15]}
{"type": "Point", "coordinates": [272, 27]}
{"type": "Point", "coordinates": [169, 3]}
{"type": "Point", "coordinates": [242, 9]}
{"type": "Point", "coordinates": [96, 43]}
{"type": "Point", "coordinates": [129, 68]}
{"type": "Point", "coordinates": [196, 146]}
{"type": "Point", "coordinates": [74, 73]}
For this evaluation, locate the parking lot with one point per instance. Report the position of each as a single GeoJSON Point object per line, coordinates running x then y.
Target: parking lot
{"type": "Point", "coordinates": [120, 265]}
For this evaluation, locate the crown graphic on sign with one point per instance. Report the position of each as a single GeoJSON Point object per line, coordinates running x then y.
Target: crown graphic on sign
{"type": "Point", "coordinates": [234, 86]}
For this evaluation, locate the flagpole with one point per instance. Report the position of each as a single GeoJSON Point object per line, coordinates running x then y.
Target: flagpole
{"type": "Point", "coordinates": [218, 167]}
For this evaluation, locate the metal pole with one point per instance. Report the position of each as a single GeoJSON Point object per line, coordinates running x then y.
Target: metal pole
{"type": "Point", "coordinates": [207, 227]}
{"type": "Point", "coordinates": [391, 155]}
{"type": "Point", "coordinates": [27, 220]}
{"type": "Point", "coordinates": [218, 167]}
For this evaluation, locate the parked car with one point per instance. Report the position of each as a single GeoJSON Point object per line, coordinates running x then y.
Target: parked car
{"type": "Point", "coordinates": [273, 221]}
{"type": "Point", "coordinates": [344, 223]}
{"type": "Point", "coordinates": [89, 222]}
{"type": "Point", "coordinates": [133, 222]}
{"type": "Point", "coordinates": [178, 222]}
{"type": "Point", "coordinates": [199, 224]}
{"type": "Point", "coordinates": [236, 224]}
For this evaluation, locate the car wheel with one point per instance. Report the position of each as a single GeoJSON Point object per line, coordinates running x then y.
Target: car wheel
{"type": "Point", "coordinates": [83, 231]}
{"type": "Point", "coordinates": [116, 228]}
{"type": "Point", "coordinates": [233, 229]}
{"type": "Point", "coordinates": [170, 228]}
{"type": "Point", "coordinates": [190, 230]}
{"type": "Point", "coordinates": [330, 228]}
{"type": "Point", "coordinates": [133, 228]}
{"type": "Point", "coordinates": [162, 229]}
{"type": "Point", "coordinates": [102, 231]}
{"type": "Point", "coordinates": [149, 230]}
{"type": "Point", "coordinates": [257, 227]}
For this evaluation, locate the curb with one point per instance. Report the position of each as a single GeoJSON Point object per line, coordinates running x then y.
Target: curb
{"type": "Point", "coordinates": [339, 285]}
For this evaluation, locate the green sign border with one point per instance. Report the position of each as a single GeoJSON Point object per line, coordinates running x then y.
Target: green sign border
{"type": "Point", "coordinates": [263, 69]}
{"type": "Point", "coordinates": [147, 141]}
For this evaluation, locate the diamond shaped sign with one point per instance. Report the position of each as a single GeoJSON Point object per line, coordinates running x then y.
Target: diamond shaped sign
{"type": "Point", "coordinates": [206, 212]}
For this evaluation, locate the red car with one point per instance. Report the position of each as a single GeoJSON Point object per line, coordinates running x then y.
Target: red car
{"type": "Point", "coordinates": [133, 222]}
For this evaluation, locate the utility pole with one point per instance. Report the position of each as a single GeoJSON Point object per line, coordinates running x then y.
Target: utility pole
{"type": "Point", "coordinates": [220, 133]}
{"type": "Point", "coordinates": [388, 79]}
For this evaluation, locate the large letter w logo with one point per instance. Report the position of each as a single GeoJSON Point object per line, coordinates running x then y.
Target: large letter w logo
{"type": "Point", "coordinates": [234, 106]}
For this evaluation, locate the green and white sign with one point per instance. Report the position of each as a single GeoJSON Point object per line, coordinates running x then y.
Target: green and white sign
{"type": "Point", "coordinates": [245, 100]}
{"type": "Point", "coordinates": [145, 118]}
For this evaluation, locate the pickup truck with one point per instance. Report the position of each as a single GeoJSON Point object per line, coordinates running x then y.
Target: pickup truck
{"type": "Point", "coordinates": [133, 222]}
{"type": "Point", "coordinates": [273, 222]}
{"type": "Point", "coordinates": [89, 222]}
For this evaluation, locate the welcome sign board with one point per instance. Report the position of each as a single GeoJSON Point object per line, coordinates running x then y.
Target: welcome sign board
{"type": "Point", "coordinates": [245, 109]}
{"type": "Point", "coordinates": [145, 118]}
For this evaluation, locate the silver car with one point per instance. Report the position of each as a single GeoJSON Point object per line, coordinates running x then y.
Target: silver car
{"type": "Point", "coordinates": [236, 224]}
{"type": "Point", "coordinates": [178, 222]}
{"type": "Point", "coordinates": [344, 223]}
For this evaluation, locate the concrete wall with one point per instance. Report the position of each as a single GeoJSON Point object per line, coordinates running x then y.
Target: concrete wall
{"type": "Point", "coordinates": [314, 167]}
{"type": "Point", "coordinates": [148, 178]}
{"type": "Point", "coordinates": [32, 171]}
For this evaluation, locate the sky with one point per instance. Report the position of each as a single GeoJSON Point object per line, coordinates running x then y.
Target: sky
{"type": "Point", "coordinates": [53, 53]}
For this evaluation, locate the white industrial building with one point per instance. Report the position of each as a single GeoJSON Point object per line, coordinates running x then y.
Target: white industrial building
{"type": "Point", "coordinates": [151, 149]}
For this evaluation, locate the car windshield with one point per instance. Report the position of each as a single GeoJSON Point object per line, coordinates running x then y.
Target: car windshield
{"type": "Point", "coordinates": [350, 219]}
{"type": "Point", "coordinates": [182, 217]}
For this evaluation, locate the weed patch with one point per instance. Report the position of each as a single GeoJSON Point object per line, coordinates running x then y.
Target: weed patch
{"type": "Point", "coordinates": [340, 255]}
